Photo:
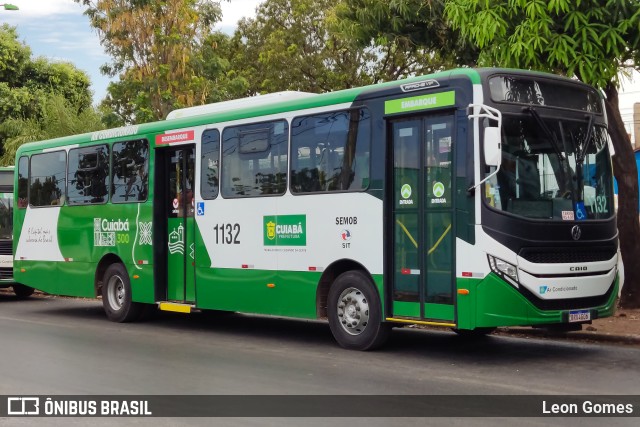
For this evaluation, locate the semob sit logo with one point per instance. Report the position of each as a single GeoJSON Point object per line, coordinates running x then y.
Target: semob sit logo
{"type": "Point", "coordinates": [23, 406]}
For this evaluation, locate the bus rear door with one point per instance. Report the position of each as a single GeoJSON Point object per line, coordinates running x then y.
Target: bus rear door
{"type": "Point", "coordinates": [175, 174]}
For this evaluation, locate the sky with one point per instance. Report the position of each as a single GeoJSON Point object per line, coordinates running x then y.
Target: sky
{"type": "Point", "coordinates": [58, 30]}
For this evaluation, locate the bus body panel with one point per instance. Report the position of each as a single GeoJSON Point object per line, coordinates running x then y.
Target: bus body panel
{"type": "Point", "coordinates": [305, 236]}
{"type": "Point", "coordinates": [491, 302]}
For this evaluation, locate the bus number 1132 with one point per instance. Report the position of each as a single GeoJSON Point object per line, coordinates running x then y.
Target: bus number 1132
{"type": "Point", "coordinates": [227, 234]}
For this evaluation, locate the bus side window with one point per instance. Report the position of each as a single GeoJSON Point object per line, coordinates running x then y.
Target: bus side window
{"type": "Point", "coordinates": [361, 171]}
{"type": "Point", "coordinates": [343, 141]}
{"type": "Point", "coordinates": [254, 159]}
{"type": "Point", "coordinates": [305, 176]}
{"type": "Point", "coordinates": [47, 182]}
{"type": "Point", "coordinates": [209, 179]}
{"type": "Point", "coordinates": [88, 175]}
{"type": "Point", "coordinates": [23, 182]}
{"type": "Point", "coordinates": [130, 171]}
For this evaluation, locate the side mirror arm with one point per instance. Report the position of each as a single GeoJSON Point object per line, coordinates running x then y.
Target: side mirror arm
{"type": "Point", "coordinates": [491, 136]}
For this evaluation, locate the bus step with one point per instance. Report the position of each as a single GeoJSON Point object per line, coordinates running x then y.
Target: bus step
{"type": "Point", "coordinates": [177, 307]}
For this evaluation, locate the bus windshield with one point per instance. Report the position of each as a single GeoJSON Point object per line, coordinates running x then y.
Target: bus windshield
{"type": "Point", "coordinates": [6, 215]}
{"type": "Point", "coordinates": [553, 169]}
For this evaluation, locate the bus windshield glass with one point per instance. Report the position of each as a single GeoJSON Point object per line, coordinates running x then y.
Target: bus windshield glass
{"type": "Point", "coordinates": [6, 215]}
{"type": "Point", "coordinates": [552, 169]}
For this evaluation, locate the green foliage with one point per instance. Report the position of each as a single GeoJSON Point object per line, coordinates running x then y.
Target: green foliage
{"type": "Point", "coordinates": [288, 46]}
{"type": "Point", "coordinates": [14, 56]}
{"type": "Point", "coordinates": [589, 39]}
{"type": "Point", "coordinates": [160, 54]}
{"type": "Point", "coordinates": [415, 27]}
{"type": "Point", "coordinates": [26, 85]}
{"type": "Point", "coordinates": [25, 82]}
{"type": "Point", "coordinates": [302, 45]}
{"type": "Point", "coordinates": [59, 117]}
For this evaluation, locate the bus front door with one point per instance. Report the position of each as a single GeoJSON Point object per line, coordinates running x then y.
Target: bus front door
{"type": "Point", "coordinates": [178, 198]}
{"type": "Point", "coordinates": [423, 238]}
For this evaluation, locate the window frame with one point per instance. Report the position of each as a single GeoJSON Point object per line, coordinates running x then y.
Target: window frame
{"type": "Point", "coordinates": [202, 168]}
{"type": "Point", "coordinates": [109, 177]}
{"type": "Point", "coordinates": [111, 174]}
{"type": "Point", "coordinates": [370, 143]}
{"type": "Point", "coordinates": [222, 167]}
{"type": "Point", "coordinates": [17, 189]}
{"type": "Point", "coordinates": [64, 192]}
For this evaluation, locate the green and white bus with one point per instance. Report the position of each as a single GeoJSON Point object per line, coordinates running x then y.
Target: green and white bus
{"type": "Point", "coordinates": [469, 199]}
{"type": "Point", "coordinates": [6, 234]}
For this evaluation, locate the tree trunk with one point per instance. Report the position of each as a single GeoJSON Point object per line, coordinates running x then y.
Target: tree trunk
{"type": "Point", "coordinates": [626, 173]}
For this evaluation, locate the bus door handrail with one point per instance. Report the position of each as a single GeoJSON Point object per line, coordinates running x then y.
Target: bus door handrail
{"type": "Point", "coordinates": [484, 111]}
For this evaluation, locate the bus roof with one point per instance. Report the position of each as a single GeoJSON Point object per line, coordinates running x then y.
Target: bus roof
{"type": "Point", "coordinates": [236, 104]}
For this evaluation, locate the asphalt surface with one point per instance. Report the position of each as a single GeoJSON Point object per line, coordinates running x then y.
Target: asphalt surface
{"type": "Point", "coordinates": [63, 346]}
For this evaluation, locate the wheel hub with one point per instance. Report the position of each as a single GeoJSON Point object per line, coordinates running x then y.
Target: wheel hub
{"type": "Point", "coordinates": [353, 311]}
{"type": "Point", "coordinates": [116, 292]}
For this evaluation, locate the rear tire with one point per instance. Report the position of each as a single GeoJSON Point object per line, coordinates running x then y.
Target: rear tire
{"type": "Point", "coordinates": [22, 291]}
{"type": "Point", "coordinates": [116, 295]}
{"type": "Point", "coordinates": [355, 312]}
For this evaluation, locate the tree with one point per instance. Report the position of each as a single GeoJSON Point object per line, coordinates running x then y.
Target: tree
{"type": "Point", "coordinates": [26, 84]}
{"type": "Point", "coordinates": [155, 47]}
{"type": "Point", "coordinates": [417, 27]}
{"type": "Point", "coordinates": [591, 40]}
{"type": "Point", "coordinates": [300, 45]}
{"type": "Point", "coordinates": [58, 117]}
{"type": "Point", "coordinates": [14, 56]}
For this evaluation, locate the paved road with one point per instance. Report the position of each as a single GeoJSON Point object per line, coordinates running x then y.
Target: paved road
{"type": "Point", "coordinates": [66, 346]}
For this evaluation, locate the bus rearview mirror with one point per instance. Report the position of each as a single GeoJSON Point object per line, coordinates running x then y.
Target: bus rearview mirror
{"type": "Point", "coordinates": [492, 150]}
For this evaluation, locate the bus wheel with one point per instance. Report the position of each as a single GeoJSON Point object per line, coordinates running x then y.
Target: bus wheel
{"type": "Point", "coordinates": [22, 291]}
{"type": "Point", "coordinates": [355, 314]}
{"type": "Point", "coordinates": [116, 295]}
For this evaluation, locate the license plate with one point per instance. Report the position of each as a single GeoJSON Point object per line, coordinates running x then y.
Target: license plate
{"type": "Point", "coordinates": [579, 316]}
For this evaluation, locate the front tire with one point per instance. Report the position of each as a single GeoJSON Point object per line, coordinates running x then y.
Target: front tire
{"type": "Point", "coordinates": [116, 295]}
{"type": "Point", "coordinates": [22, 291]}
{"type": "Point", "coordinates": [355, 312]}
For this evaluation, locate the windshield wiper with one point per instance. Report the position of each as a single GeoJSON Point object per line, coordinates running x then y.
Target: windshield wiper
{"type": "Point", "coordinates": [554, 142]}
{"type": "Point", "coordinates": [547, 132]}
{"type": "Point", "coordinates": [581, 155]}
{"type": "Point", "coordinates": [585, 145]}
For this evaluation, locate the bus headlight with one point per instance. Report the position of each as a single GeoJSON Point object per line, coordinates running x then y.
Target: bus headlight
{"type": "Point", "coordinates": [504, 269]}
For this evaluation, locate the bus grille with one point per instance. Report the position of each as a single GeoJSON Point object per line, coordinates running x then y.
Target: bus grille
{"type": "Point", "coordinates": [566, 255]}
{"type": "Point", "coordinates": [6, 273]}
{"type": "Point", "coordinates": [6, 247]}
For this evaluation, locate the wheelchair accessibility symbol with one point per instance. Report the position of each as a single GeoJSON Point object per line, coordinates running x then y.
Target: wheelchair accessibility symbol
{"type": "Point", "coordinates": [200, 209]}
{"type": "Point", "coordinates": [581, 212]}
